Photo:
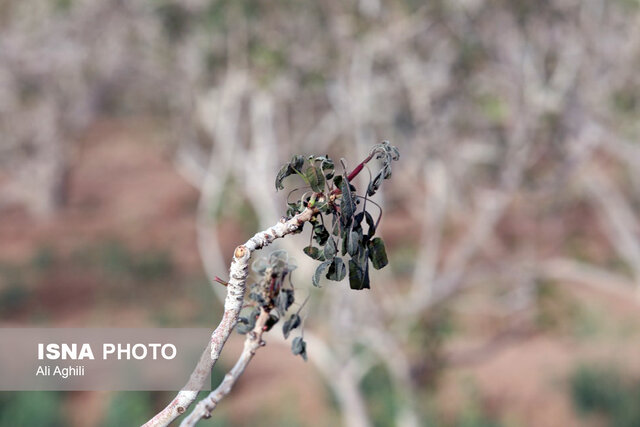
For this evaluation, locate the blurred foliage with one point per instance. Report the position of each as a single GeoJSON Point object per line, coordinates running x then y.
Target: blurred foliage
{"type": "Point", "coordinates": [379, 393]}
{"type": "Point", "coordinates": [117, 261]}
{"type": "Point", "coordinates": [128, 408]}
{"type": "Point", "coordinates": [15, 278]}
{"type": "Point", "coordinates": [13, 298]}
{"type": "Point", "coordinates": [285, 415]}
{"type": "Point", "coordinates": [32, 408]}
{"type": "Point", "coordinates": [44, 258]}
{"type": "Point", "coordinates": [606, 391]}
{"type": "Point", "coordinates": [472, 413]}
{"type": "Point", "coordinates": [14, 294]}
{"type": "Point", "coordinates": [429, 336]}
{"type": "Point", "coordinates": [556, 310]}
{"type": "Point", "coordinates": [381, 398]}
{"type": "Point", "coordinates": [25, 287]}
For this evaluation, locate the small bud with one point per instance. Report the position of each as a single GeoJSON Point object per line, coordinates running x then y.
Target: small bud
{"type": "Point", "coordinates": [240, 252]}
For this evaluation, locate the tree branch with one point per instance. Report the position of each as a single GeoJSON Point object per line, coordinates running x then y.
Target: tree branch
{"type": "Point", "coordinates": [251, 344]}
{"type": "Point", "coordinates": [233, 304]}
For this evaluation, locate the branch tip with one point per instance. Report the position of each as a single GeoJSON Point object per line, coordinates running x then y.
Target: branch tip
{"type": "Point", "coordinates": [240, 252]}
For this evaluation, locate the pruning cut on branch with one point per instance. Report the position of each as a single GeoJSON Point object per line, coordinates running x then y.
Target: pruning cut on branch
{"type": "Point", "coordinates": [337, 216]}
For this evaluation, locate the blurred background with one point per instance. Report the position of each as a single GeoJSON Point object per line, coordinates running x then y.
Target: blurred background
{"type": "Point", "coordinates": [140, 139]}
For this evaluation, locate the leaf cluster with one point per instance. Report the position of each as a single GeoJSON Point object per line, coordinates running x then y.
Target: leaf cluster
{"type": "Point", "coordinates": [348, 245]}
{"type": "Point", "coordinates": [351, 246]}
{"type": "Point", "coordinates": [343, 239]}
{"type": "Point", "coordinates": [274, 294]}
{"type": "Point", "coordinates": [315, 171]}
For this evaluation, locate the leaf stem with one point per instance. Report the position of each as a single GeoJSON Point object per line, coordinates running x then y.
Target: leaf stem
{"type": "Point", "coordinates": [355, 172]}
{"type": "Point", "coordinates": [358, 168]}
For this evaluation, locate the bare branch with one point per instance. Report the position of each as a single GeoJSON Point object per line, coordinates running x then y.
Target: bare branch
{"type": "Point", "coordinates": [592, 276]}
{"type": "Point", "coordinates": [251, 344]}
{"type": "Point", "coordinates": [232, 306]}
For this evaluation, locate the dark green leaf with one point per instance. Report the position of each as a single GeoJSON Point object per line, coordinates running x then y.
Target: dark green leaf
{"type": "Point", "coordinates": [377, 253]}
{"type": "Point", "coordinates": [284, 172]}
{"type": "Point", "coordinates": [327, 208]}
{"type": "Point", "coordinates": [312, 251]}
{"type": "Point", "coordinates": [336, 229]}
{"type": "Point", "coordinates": [374, 185]}
{"type": "Point", "coordinates": [358, 274]}
{"type": "Point", "coordinates": [357, 220]}
{"type": "Point", "coordinates": [371, 223]}
{"type": "Point", "coordinates": [299, 346]}
{"type": "Point", "coordinates": [337, 270]}
{"type": "Point", "coordinates": [315, 178]}
{"type": "Point", "coordinates": [355, 275]}
{"type": "Point", "coordinates": [290, 324]}
{"type": "Point", "coordinates": [320, 234]}
{"type": "Point", "coordinates": [271, 321]}
{"type": "Point", "coordinates": [297, 162]}
{"type": "Point", "coordinates": [284, 300]}
{"type": "Point", "coordinates": [355, 241]}
{"type": "Point", "coordinates": [318, 274]}
{"type": "Point", "coordinates": [330, 249]}
{"type": "Point", "coordinates": [365, 280]}
{"type": "Point", "coordinates": [337, 181]}
{"type": "Point", "coordinates": [327, 164]}
{"type": "Point", "coordinates": [345, 242]}
{"type": "Point", "coordinates": [294, 209]}
{"type": "Point", "coordinates": [327, 168]}
{"type": "Point", "coordinates": [295, 165]}
{"type": "Point", "coordinates": [347, 205]}
{"type": "Point", "coordinates": [246, 324]}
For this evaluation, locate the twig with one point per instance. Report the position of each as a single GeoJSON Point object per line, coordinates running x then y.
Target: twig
{"type": "Point", "coordinates": [251, 344]}
{"type": "Point", "coordinates": [618, 217]}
